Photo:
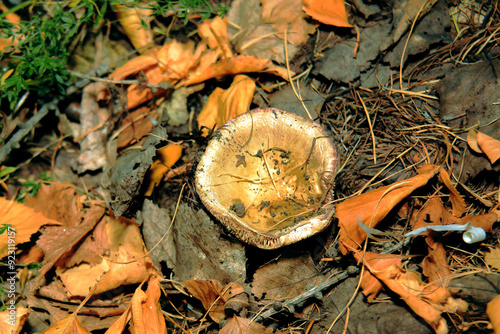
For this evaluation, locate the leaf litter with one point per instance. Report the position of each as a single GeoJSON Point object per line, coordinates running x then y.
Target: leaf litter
{"type": "Point", "coordinates": [120, 251]}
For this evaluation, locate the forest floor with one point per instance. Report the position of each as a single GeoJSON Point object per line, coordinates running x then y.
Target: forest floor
{"type": "Point", "coordinates": [103, 227]}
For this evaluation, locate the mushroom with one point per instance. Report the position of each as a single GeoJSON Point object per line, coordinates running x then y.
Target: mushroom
{"type": "Point", "coordinates": [267, 175]}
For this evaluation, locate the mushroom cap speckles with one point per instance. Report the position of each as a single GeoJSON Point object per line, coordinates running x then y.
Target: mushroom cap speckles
{"type": "Point", "coordinates": [267, 175]}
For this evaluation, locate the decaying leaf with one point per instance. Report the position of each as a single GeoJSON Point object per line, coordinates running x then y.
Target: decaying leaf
{"type": "Point", "coordinates": [426, 300]}
{"type": "Point", "coordinates": [213, 295]}
{"type": "Point", "coordinates": [169, 155]}
{"type": "Point", "coordinates": [146, 310]}
{"type": "Point", "coordinates": [435, 264]}
{"type": "Point", "coordinates": [24, 222]}
{"type": "Point", "coordinates": [215, 33]}
{"type": "Point", "coordinates": [223, 105]}
{"type": "Point", "coordinates": [286, 278]}
{"type": "Point", "coordinates": [126, 263]}
{"type": "Point", "coordinates": [481, 143]}
{"type": "Point", "coordinates": [329, 12]}
{"type": "Point", "coordinates": [70, 324]}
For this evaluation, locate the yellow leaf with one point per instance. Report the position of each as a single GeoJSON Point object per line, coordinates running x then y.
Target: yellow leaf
{"type": "Point", "coordinates": [24, 222]}
{"type": "Point", "coordinates": [132, 20]}
{"type": "Point", "coordinates": [169, 155]}
{"type": "Point", "coordinates": [70, 324]}
{"type": "Point", "coordinates": [223, 105]}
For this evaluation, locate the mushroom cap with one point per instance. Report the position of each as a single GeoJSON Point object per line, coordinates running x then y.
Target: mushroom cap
{"type": "Point", "coordinates": [267, 175]}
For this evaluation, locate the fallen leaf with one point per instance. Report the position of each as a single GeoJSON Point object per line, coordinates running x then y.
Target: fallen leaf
{"type": "Point", "coordinates": [223, 105]}
{"type": "Point", "coordinates": [169, 155]}
{"type": "Point", "coordinates": [13, 318]}
{"type": "Point", "coordinates": [239, 325]}
{"type": "Point", "coordinates": [213, 296]}
{"type": "Point", "coordinates": [214, 32]}
{"type": "Point", "coordinates": [24, 222]}
{"type": "Point", "coordinates": [286, 278]}
{"type": "Point", "coordinates": [135, 126]}
{"type": "Point", "coordinates": [481, 143]}
{"type": "Point", "coordinates": [457, 201]}
{"type": "Point", "coordinates": [126, 263]}
{"type": "Point", "coordinates": [150, 318]}
{"type": "Point", "coordinates": [70, 324]}
{"type": "Point", "coordinates": [435, 264]}
{"type": "Point", "coordinates": [426, 300]}
{"type": "Point", "coordinates": [135, 21]}
{"type": "Point", "coordinates": [493, 312]}
{"type": "Point", "coordinates": [371, 207]}
{"type": "Point", "coordinates": [209, 294]}
{"type": "Point", "coordinates": [233, 66]}
{"type": "Point", "coordinates": [434, 213]}
{"type": "Point", "coordinates": [93, 128]}
{"type": "Point", "coordinates": [136, 65]}
{"type": "Point", "coordinates": [329, 12]}
{"type": "Point", "coordinates": [492, 258]}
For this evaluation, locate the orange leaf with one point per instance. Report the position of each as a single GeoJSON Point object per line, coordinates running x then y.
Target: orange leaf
{"type": "Point", "coordinates": [215, 33]}
{"type": "Point", "coordinates": [23, 221]}
{"type": "Point", "coordinates": [373, 206]}
{"type": "Point", "coordinates": [70, 324]}
{"type": "Point", "coordinates": [493, 312]}
{"type": "Point", "coordinates": [169, 155]}
{"type": "Point", "coordinates": [134, 66]}
{"type": "Point", "coordinates": [490, 146]}
{"type": "Point", "coordinates": [481, 143]}
{"type": "Point", "coordinates": [457, 201]}
{"type": "Point", "coordinates": [13, 318]}
{"type": "Point", "coordinates": [132, 20]}
{"type": "Point", "coordinates": [232, 66]}
{"type": "Point", "coordinates": [330, 12]}
{"type": "Point", "coordinates": [223, 105]}
{"type": "Point", "coordinates": [151, 310]}
{"type": "Point", "coordinates": [434, 213]}
{"type": "Point", "coordinates": [428, 301]}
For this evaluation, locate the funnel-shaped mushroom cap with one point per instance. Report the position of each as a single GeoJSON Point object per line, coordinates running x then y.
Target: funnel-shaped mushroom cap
{"type": "Point", "coordinates": [267, 175]}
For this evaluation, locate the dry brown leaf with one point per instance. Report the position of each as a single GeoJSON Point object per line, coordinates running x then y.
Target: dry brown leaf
{"type": "Point", "coordinates": [132, 20]}
{"type": "Point", "coordinates": [434, 213]}
{"type": "Point", "coordinates": [286, 278]}
{"type": "Point", "coordinates": [213, 296]}
{"type": "Point", "coordinates": [238, 325]}
{"type": "Point", "coordinates": [215, 33]}
{"type": "Point", "coordinates": [223, 105]}
{"type": "Point", "coordinates": [209, 294]}
{"type": "Point", "coordinates": [125, 264]}
{"type": "Point", "coordinates": [481, 143]}
{"type": "Point", "coordinates": [169, 155]}
{"type": "Point", "coordinates": [457, 201]}
{"type": "Point", "coordinates": [329, 12]}
{"type": "Point", "coordinates": [493, 312]}
{"type": "Point", "coordinates": [118, 327]}
{"type": "Point", "coordinates": [435, 264]}
{"type": "Point", "coordinates": [136, 126]}
{"type": "Point", "coordinates": [24, 222]}
{"type": "Point", "coordinates": [426, 300]}
{"type": "Point", "coordinates": [13, 318]}
{"type": "Point", "coordinates": [287, 15]}
{"type": "Point", "coordinates": [492, 258]}
{"type": "Point", "coordinates": [70, 324]}
{"type": "Point", "coordinates": [372, 207]}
